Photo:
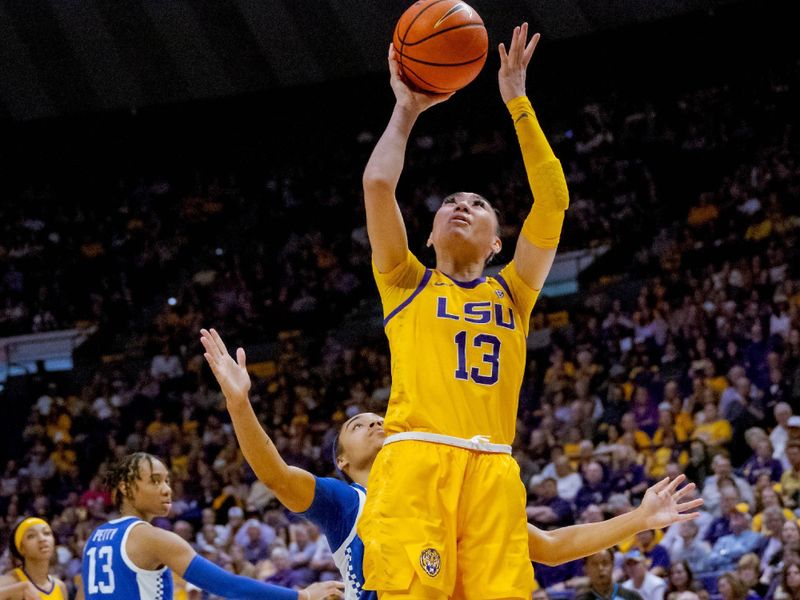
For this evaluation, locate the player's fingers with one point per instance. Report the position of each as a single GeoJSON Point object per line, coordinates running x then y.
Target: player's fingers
{"type": "Point", "coordinates": [684, 506]}
{"type": "Point", "coordinates": [512, 48]}
{"type": "Point", "coordinates": [210, 347]}
{"type": "Point", "coordinates": [684, 490]}
{"type": "Point", "coordinates": [219, 342]}
{"type": "Point", "coordinates": [529, 50]}
{"type": "Point", "coordinates": [394, 68]}
{"type": "Point", "coordinates": [501, 49]}
{"type": "Point", "coordinates": [687, 517]}
{"type": "Point", "coordinates": [212, 365]}
{"type": "Point", "coordinates": [673, 485]}
{"type": "Point", "coordinates": [523, 38]}
{"type": "Point", "coordinates": [241, 358]}
{"type": "Point", "coordinates": [661, 485]}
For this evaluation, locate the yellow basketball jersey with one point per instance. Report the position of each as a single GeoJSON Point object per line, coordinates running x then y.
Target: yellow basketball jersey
{"type": "Point", "coordinates": [53, 594]}
{"type": "Point", "coordinates": [458, 350]}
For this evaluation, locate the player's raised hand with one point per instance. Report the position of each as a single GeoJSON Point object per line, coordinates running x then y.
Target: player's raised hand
{"type": "Point", "coordinates": [321, 591]}
{"type": "Point", "coordinates": [231, 375]}
{"type": "Point", "coordinates": [514, 63]}
{"type": "Point", "coordinates": [662, 504]}
{"type": "Point", "coordinates": [407, 97]}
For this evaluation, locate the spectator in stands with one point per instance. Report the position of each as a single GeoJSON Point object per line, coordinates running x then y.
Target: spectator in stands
{"type": "Point", "coordinates": [730, 587]}
{"type": "Point", "coordinates": [721, 465]}
{"type": "Point", "coordinates": [728, 549]}
{"type": "Point", "coordinates": [748, 570]}
{"type": "Point", "coordinates": [689, 547]}
{"type": "Point", "coordinates": [655, 554]}
{"type": "Point", "coordinates": [710, 427]}
{"type": "Point", "coordinates": [594, 490]}
{"type": "Point", "coordinates": [767, 498]}
{"type": "Point", "coordinates": [680, 578]}
{"type": "Point", "coordinates": [628, 475]}
{"type": "Point", "coordinates": [550, 511]}
{"type": "Point", "coordinates": [790, 480]}
{"type": "Point", "coordinates": [640, 579]}
{"type": "Point", "coordinates": [762, 462]}
{"type": "Point", "coordinates": [772, 528]}
{"type": "Point", "coordinates": [789, 588]}
{"type": "Point", "coordinates": [302, 549]}
{"type": "Point", "coordinates": [284, 575]}
{"type": "Point", "coordinates": [599, 569]}
{"type": "Point", "coordinates": [779, 435]}
{"type": "Point", "coordinates": [729, 500]}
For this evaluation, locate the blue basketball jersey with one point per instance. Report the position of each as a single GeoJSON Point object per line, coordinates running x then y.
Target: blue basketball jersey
{"type": "Point", "coordinates": [335, 509]}
{"type": "Point", "coordinates": [109, 573]}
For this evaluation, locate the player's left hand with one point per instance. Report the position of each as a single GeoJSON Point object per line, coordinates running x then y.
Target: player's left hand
{"type": "Point", "coordinates": [514, 63]}
{"type": "Point", "coordinates": [231, 375]}
{"type": "Point", "coordinates": [662, 506]}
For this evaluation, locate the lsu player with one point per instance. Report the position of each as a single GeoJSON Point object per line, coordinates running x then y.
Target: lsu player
{"type": "Point", "coordinates": [336, 506]}
{"type": "Point", "coordinates": [445, 516]}
{"type": "Point", "coordinates": [129, 559]}
{"type": "Point", "coordinates": [32, 545]}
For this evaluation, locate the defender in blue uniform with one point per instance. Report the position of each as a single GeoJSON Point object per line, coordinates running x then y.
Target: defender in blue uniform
{"type": "Point", "coordinates": [129, 559]}
{"type": "Point", "coordinates": [335, 506]}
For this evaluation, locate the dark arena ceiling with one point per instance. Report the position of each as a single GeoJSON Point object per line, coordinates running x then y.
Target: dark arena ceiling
{"type": "Point", "coordinates": [61, 57]}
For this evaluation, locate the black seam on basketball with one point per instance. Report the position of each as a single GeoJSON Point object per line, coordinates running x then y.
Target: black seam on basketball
{"type": "Point", "coordinates": [464, 25]}
{"type": "Point", "coordinates": [429, 84]}
{"type": "Point", "coordinates": [414, 20]}
{"type": "Point", "coordinates": [433, 64]}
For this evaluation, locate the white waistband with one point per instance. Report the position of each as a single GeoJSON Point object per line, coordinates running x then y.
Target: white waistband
{"type": "Point", "coordinates": [479, 443]}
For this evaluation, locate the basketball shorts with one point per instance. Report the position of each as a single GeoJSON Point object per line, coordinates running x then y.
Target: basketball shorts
{"type": "Point", "coordinates": [442, 521]}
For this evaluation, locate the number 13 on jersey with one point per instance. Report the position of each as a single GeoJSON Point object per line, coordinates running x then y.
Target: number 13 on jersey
{"type": "Point", "coordinates": [101, 557]}
{"type": "Point", "coordinates": [488, 371]}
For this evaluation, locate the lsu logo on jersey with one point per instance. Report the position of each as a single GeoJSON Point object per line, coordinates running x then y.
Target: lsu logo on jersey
{"type": "Point", "coordinates": [479, 313]}
{"type": "Point", "coordinates": [430, 561]}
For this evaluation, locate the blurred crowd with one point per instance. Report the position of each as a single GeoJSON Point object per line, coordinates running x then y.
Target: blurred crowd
{"type": "Point", "coordinates": [682, 356]}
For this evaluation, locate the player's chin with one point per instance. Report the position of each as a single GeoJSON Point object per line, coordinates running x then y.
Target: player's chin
{"type": "Point", "coordinates": [164, 509]}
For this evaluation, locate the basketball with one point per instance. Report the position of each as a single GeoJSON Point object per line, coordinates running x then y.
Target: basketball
{"type": "Point", "coordinates": [441, 45]}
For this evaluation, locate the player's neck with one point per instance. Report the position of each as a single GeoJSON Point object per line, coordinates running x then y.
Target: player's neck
{"type": "Point", "coordinates": [127, 510]}
{"type": "Point", "coordinates": [462, 271]}
{"type": "Point", "coordinates": [38, 571]}
{"type": "Point", "coordinates": [360, 476]}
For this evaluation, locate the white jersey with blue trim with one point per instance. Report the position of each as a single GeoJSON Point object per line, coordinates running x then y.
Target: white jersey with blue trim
{"type": "Point", "coordinates": [109, 573]}
{"type": "Point", "coordinates": [336, 509]}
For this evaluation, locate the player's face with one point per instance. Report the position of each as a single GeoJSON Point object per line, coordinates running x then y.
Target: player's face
{"type": "Point", "coordinates": [361, 438]}
{"type": "Point", "coordinates": [152, 496]}
{"type": "Point", "coordinates": [38, 543]}
{"type": "Point", "coordinates": [466, 226]}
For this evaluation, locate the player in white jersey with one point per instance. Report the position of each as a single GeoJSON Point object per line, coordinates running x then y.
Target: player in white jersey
{"type": "Point", "coordinates": [129, 559]}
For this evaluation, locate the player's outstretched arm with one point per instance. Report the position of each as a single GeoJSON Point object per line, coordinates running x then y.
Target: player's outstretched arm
{"type": "Point", "coordinates": [660, 507]}
{"type": "Point", "coordinates": [293, 487]}
{"type": "Point", "coordinates": [537, 243]}
{"type": "Point", "coordinates": [150, 547]}
{"type": "Point", "coordinates": [387, 233]}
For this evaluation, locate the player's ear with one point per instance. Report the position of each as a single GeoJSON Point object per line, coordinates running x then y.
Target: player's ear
{"type": "Point", "coordinates": [341, 463]}
{"type": "Point", "coordinates": [430, 240]}
{"type": "Point", "coordinates": [497, 245]}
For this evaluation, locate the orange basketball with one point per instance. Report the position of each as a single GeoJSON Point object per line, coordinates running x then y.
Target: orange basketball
{"type": "Point", "coordinates": [441, 45]}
